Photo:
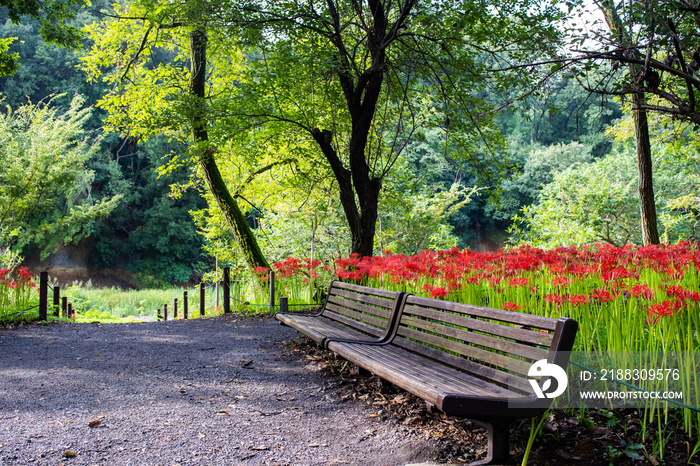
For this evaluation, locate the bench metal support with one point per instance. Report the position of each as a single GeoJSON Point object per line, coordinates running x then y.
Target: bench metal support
{"type": "Point", "coordinates": [498, 434]}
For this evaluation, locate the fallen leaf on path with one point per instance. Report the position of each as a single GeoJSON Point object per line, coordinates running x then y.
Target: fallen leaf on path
{"type": "Point", "coordinates": [222, 413]}
{"type": "Point", "coordinates": [316, 445]}
{"type": "Point", "coordinates": [94, 423]}
{"type": "Point", "coordinates": [69, 454]}
{"type": "Point", "coordinates": [259, 448]}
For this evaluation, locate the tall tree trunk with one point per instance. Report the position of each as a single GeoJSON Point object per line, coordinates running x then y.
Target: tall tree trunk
{"type": "Point", "coordinates": [361, 220]}
{"type": "Point", "coordinates": [647, 206]}
{"type": "Point", "coordinates": [229, 207]}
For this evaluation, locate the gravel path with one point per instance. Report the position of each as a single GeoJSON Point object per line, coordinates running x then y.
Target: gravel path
{"type": "Point", "coordinates": [206, 391]}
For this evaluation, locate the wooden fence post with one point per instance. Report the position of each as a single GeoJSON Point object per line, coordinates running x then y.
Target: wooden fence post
{"type": "Point", "coordinates": [56, 300]}
{"type": "Point", "coordinates": [272, 291]}
{"type": "Point", "coordinates": [43, 295]}
{"type": "Point", "coordinates": [284, 304]}
{"type": "Point", "coordinates": [70, 310]}
{"type": "Point", "coordinates": [184, 304]}
{"type": "Point", "coordinates": [165, 312]}
{"type": "Point", "coordinates": [175, 309]}
{"type": "Point", "coordinates": [201, 299]}
{"type": "Point", "coordinates": [64, 306]}
{"type": "Point", "coordinates": [227, 290]}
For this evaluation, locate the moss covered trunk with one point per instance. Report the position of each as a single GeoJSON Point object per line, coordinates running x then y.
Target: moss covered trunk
{"type": "Point", "coordinates": [228, 205]}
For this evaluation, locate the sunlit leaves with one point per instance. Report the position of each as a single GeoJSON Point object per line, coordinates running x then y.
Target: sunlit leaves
{"type": "Point", "coordinates": [45, 189]}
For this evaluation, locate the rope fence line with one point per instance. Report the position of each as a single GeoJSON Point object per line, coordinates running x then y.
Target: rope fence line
{"type": "Point", "coordinates": [21, 312]}
{"type": "Point", "coordinates": [61, 307]}
{"type": "Point", "coordinates": [225, 285]}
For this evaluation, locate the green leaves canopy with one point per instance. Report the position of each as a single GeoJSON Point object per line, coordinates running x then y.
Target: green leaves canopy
{"type": "Point", "coordinates": [44, 185]}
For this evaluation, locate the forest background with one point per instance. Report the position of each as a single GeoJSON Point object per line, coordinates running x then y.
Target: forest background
{"type": "Point", "coordinates": [555, 166]}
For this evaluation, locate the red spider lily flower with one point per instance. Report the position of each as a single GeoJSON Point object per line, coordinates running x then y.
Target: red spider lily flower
{"type": "Point", "coordinates": [578, 299]}
{"type": "Point", "coordinates": [553, 298]}
{"type": "Point", "coordinates": [601, 296]}
{"type": "Point", "coordinates": [642, 291]}
{"type": "Point", "coordinates": [509, 306]}
{"type": "Point", "coordinates": [493, 281]}
{"type": "Point", "coordinates": [518, 282]}
{"type": "Point", "coordinates": [667, 308]}
{"type": "Point", "coordinates": [582, 271]}
{"type": "Point", "coordinates": [617, 273]}
{"type": "Point", "coordinates": [674, 273]}
{"type": "Point", "coordinates": [454, 285]}
{"type": "Point", "coordinates": [677, 291]}
{"type": "Point", "coordinates": [4, 273]}
{"type": "Point", "coordinates": [24, 274]}
{"type": "Point", "coordinates": [560, 281]}
{"type": "Point", "coordinates": [692, 296]}
{"type": "Point", "coordinates": [435, 291]}
{"type": "Point", "coordinates": [262, 273]}
{"type": "Point", "coordinates": [311, 264]}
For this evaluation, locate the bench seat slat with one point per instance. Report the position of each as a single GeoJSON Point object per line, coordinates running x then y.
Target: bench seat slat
{"type": "Point", "coordinates": [351, 312]}
{"type": "Point", "coordinates": [365, 290]}
{"type": "Point", "coordinates": [469, 351]}
{"type": "Point", "coordinates": [464, 382]}
{"type": "Point", "coordinates": [492, 328]}
{"type": "Point", "coordinates": [529, 320]}
{"type": "Point", "coordinates": [364, 298]}
{"type": "Point", "coordinates": [412, 373]}
{"type": "Point", "coordinates": [486, 341]}
{"type": "Point", "coordinates": [371, 326]}
{"type": "Point", "coordinates": [319, 329]}
{"type": "Point", "coordinates": [341, 303]}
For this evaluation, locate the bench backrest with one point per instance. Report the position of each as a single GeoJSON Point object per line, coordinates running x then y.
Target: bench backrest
{"type": "Point", "coordinates": [368, 310]}
{"type": "Point", "coordinates": [494, 345]}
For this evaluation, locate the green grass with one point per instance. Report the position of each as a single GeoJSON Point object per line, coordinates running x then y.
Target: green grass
{"type": "Point", "coordinates": [117, 305]}
{"type": "Point", "coordinates": [114, 304]}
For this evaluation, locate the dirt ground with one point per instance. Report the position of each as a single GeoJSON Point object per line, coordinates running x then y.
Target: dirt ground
{"type": "Point", "coordinates": [232, 390]}
{"type": "Point", "coordinates": [206, 391]}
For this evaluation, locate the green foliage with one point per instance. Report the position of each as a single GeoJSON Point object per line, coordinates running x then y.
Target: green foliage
{"type": "Point", "coordinates": [538, 169]}
{"type": "Point", "coordinates": [54, 18]}
{"type": "Point", "coordinates": [151, 231]}
{"type": "Point", "coordinates": [45, 187]}
{"type": "Point", "coordinates": [18, 296]}
{"type": "Point", "coordinates": [418, 201]}
{"type": "Point", "coordinates": [47, 70]}
{"type": "Point", "coordinates": [585, 204]}
{"type": "Point", "coordinates": [642, 48]}
{"type": "Point", "coordinates": [336, 100]}
{"type": "Point", "coordinates": [598, 201]}
{"type": "Point", "coordinates": [8, 61]}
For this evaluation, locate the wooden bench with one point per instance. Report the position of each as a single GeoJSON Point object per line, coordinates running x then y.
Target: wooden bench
{"type": "Point", "coordinates": [464, 360]}
{"type": "Point", "coordinates": [350, 313]}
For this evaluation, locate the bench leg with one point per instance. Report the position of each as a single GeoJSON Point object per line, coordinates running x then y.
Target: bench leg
{"type": "Point", "coordinates": [499, 443]}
